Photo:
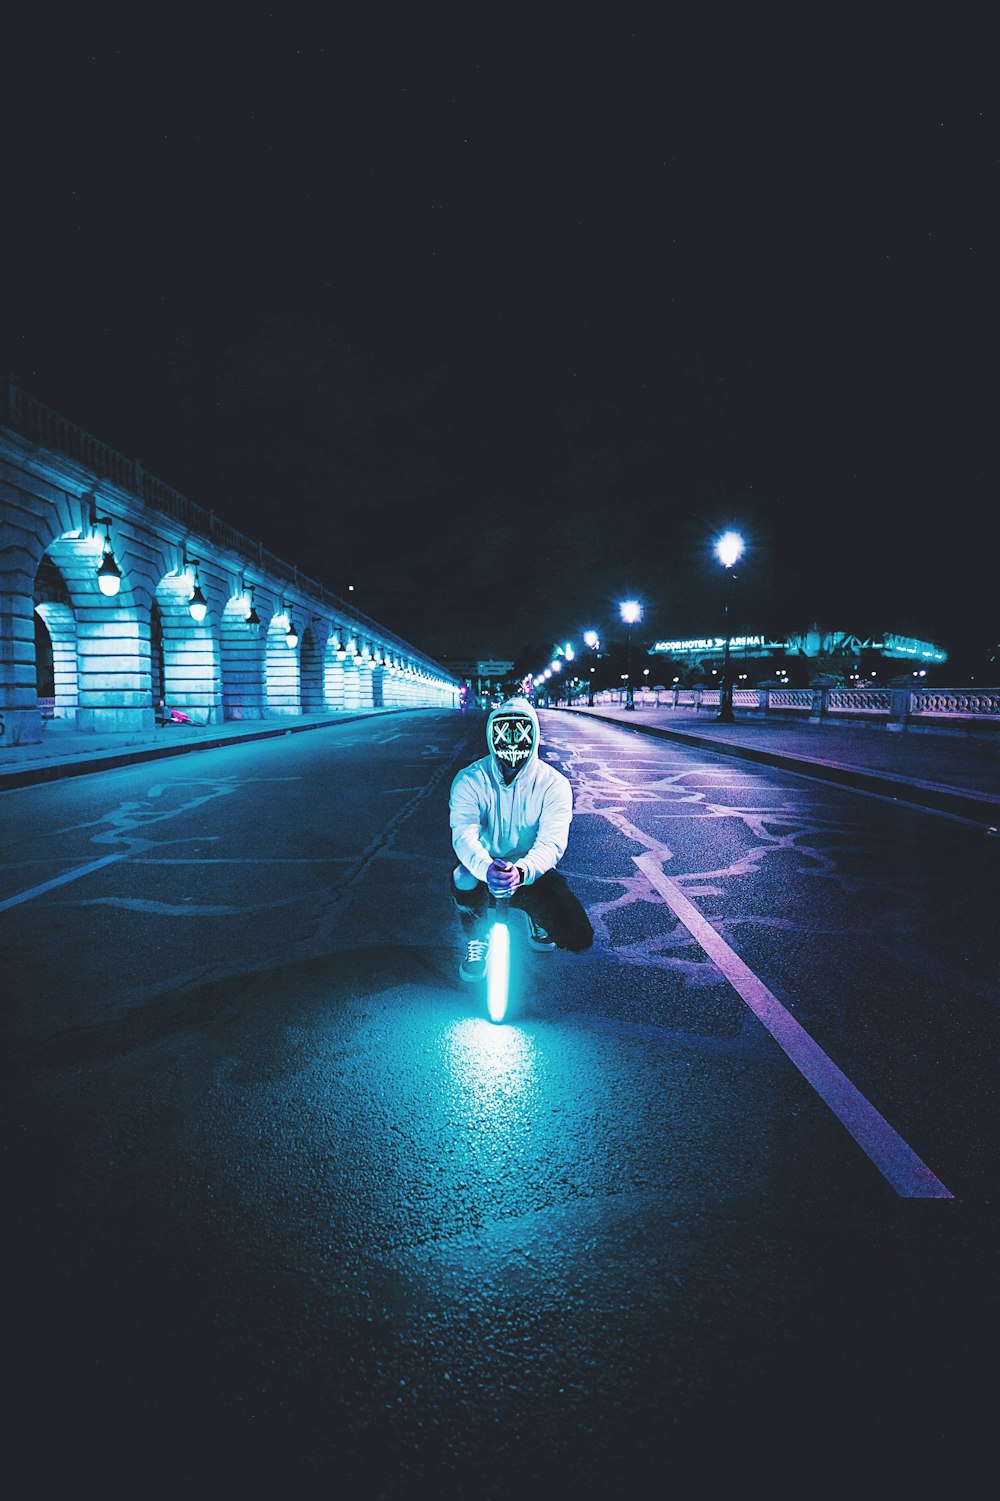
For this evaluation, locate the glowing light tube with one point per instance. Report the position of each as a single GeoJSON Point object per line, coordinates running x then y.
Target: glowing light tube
{"type": "Point", "coordinates": [498, 972]}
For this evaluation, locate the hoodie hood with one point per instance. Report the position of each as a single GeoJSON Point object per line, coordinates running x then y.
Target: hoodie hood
{"type": "Point", "coordinates": [512, 735]}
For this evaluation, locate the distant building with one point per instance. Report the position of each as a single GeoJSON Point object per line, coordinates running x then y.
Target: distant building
{"type": "Point", "coordinates": [811, 653]}
{"type": "Point", "coordinates": [487, 679]}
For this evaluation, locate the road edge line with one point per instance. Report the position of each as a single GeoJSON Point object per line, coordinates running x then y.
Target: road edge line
{"type": "Point", "coordinates": [905, 1172]}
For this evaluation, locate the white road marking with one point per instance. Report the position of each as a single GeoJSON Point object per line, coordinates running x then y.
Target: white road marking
{"type": "Point", "coordinates": [64, 880]}
{"type": "Point", "coordinates": [200, 860]}
{"type": "Point", "coordinates": [896, 1161]}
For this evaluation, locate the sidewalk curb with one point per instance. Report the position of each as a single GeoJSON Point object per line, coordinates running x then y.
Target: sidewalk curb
{"type": "Point", "coordinates": [57, 770]}
{"type": "Point", "coordinates": [983, 811]}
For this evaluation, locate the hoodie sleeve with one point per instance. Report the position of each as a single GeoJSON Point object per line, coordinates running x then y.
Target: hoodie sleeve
{"type": "Point", "coordinates": [553, 830]}
{"type": "Point", "coordinates": [466, 813]}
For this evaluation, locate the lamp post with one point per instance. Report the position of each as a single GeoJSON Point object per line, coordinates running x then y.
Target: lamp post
{"type": "Point", "coordinates": [631, 611]}
{"type": "Point", "coordinates": [728, 550]}
{"type": "Point", "coordinates": [592, 642]}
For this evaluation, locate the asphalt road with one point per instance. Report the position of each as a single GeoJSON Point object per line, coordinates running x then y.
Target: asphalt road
{"type": "Point", "coordinates": [284, 1212]}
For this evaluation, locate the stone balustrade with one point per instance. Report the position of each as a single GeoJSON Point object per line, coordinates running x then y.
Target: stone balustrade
{"type": "Point", "coordinates": [894, 707]}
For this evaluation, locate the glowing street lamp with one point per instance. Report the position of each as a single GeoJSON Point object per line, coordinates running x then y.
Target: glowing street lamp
{"type": "Point", "coordinates": [197, 604]}
{"type": "Point", "coordinates": [631, 611]}
{"type": "Point", "coordinates": [109, 575]}
{"type": "Point", "coordinates": [728, 550]}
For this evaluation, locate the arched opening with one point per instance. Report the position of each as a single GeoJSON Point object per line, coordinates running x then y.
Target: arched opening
{"type": "Point", "coordinates": [311, 664]}
{"type": "Point", "coordinates": [45, 675]}
{"type": "Point", "coordinates": [56, 676]}
{"type": "Point", "coordinates": [99, 662]}
{"type": "Point", "coordinates": [189, 656]}
{"type": "Point", "coordinates": [157, 668]}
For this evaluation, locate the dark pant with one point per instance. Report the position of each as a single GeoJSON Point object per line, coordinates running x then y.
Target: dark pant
{"type": "Point", "coordinates": [548, 900]}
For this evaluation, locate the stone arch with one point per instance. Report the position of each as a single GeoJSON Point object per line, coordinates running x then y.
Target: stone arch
{"type": "Point", "coordinates": [312, 659]}
{"type": "Point", "coordinates": [242, 654]}
{"type": "Point", "coordinates": [99, 641]}
{"type": "Point", "coordinates": [282, 670]}
{"type": "Point", "coordinates": [191, 673]}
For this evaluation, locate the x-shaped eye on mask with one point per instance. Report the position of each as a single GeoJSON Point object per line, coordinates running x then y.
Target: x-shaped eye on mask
{"type": "Point", "coordinates": [512, 739]}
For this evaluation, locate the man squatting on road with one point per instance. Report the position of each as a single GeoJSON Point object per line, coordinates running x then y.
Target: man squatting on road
{"type": "Point", "coordinates": [510, 818]}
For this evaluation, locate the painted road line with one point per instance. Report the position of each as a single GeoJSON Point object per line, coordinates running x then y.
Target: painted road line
{"type": "Point", "coordinates": [71, 875]}
{"type": "Point", "coordinates": [898, 1163]}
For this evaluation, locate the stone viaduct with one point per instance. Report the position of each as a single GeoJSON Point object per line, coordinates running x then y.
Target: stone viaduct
{"type": "Point", "coordinates": [119, 598]}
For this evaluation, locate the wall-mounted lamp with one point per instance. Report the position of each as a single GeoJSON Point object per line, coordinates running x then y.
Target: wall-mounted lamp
{"type": "Point", "coordinates": [197, 604]}
{"type": "Point", "coordinates": [291, 634]}
{"type": "Point", "coordinates": [109, 575]}
{"type": "Point", "coordinates": [251, 617]}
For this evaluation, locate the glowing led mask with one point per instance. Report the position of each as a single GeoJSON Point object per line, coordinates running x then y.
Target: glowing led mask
{"type": "Point", "coordinates": [512, 739]}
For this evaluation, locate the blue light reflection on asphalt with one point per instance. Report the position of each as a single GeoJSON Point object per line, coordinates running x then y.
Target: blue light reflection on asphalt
{"type": "Point", "coordinates": [495, 1068]}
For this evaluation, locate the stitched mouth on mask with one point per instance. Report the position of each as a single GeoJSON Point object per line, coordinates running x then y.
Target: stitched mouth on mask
{"type": "Point", "coordinates": [515, 757]}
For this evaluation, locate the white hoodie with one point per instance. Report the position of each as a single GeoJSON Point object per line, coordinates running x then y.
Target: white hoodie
{"type": "Point", "coordinates": [525, 823]}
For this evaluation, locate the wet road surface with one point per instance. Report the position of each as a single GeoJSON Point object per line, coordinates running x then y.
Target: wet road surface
{"type": "Point", "coordinates": [284, 1210]}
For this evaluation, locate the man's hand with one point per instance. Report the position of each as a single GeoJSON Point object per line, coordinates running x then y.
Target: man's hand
{"type": "Point", "coordinates": [502, 879]}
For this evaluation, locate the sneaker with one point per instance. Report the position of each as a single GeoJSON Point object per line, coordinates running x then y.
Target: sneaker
{"type": "Point", "coordinates": [537, 936]}
{"type": "Point", "coordinates": [473, 966]}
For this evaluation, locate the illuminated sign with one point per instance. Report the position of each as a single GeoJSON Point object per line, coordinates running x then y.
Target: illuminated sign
{"type": "Point", "coordinates": [718, 643]}
{"type": "Point", "coordinates": [811, 643]}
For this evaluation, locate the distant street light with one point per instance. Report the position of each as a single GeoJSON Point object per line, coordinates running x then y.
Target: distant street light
{"type": "Point", "coordinates": [631, 611]}
{"type": "Point", "coordinates": [728, 550]}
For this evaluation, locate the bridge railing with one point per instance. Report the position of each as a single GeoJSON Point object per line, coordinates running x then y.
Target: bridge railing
{"type": "Point", "coordinates": [895, 707]}
{"type": "Point", "coordinates": [41, 425]}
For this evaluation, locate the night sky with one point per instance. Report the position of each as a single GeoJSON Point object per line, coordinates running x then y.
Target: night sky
{"type": "Point", "coordinates": [502, 318]}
